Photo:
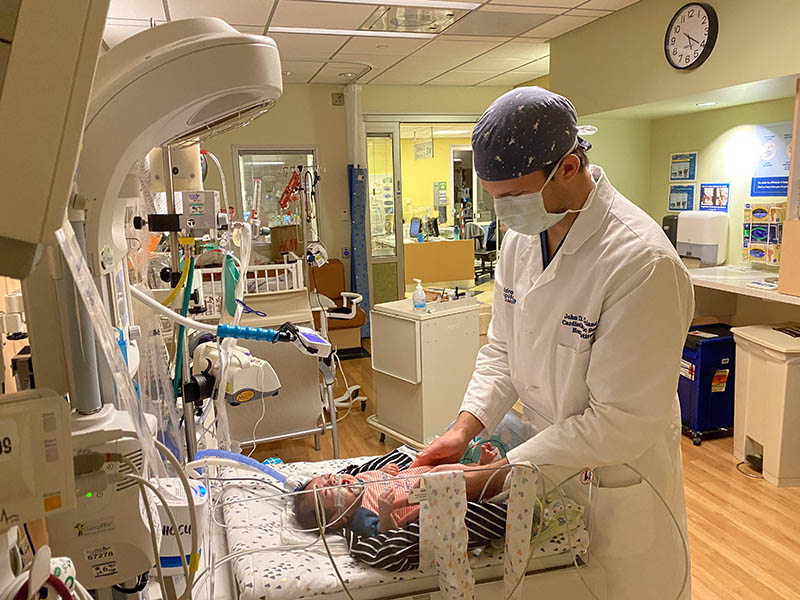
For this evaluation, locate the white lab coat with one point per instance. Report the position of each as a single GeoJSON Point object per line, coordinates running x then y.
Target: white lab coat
{"type": "Point", "coordinates": [592, 347]}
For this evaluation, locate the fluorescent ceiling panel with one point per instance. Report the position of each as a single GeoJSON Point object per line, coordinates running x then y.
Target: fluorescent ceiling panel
{"type": "Point", "coordinates": [299, 13]}
{"type": "Point", "coordinates": [558, 26]}
{"type": "Point", "coordinates": [306, 46]}
{"type": "Point", "coordinates": [497, 23]}
{"type": "Point", "coordinates": [136, 9]}
{"type": "Point", "coordinates": [351, 32]}
{"type": "Point", "coordinates": [382, 46]}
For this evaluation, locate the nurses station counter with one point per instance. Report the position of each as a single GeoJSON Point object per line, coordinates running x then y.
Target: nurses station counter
{"type": "Point", "coordinates": [440, 261]}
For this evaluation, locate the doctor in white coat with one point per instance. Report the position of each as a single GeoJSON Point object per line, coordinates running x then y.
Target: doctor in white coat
{"type": "Point", "coordinates": [591, 309]}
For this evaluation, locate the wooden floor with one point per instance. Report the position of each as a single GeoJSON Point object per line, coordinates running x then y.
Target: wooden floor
{"type": "Point", "coordinates": [744, 534]}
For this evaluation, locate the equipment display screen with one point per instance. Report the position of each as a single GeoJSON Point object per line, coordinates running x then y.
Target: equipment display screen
{"type": "Point", "coordinates": [313, 337]}
{"type": "Point", "coordinates": [414, 229]}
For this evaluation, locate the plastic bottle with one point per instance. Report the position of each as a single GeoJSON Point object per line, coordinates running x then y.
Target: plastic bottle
{"type": "Point", "coordinates": [419, 297]}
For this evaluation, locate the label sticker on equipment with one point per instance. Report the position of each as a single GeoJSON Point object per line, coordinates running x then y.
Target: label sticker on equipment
{"type": "Point", "coordinates": [725, 361]}
{"type": "Point", "coordinates": [687, 370]}
{"type": "Point", "coordinates": [105, 569]}
{"type": "Point", "coordinates": [84, 528]}
{"type": "Point", "coordinates": [104, 553]}
{"type": "Point", "coordinates": [720, 380]}
{"type": "Point", "coordinates": [703, 334]}
{"type": "Point", "coordinates": [9, 440]}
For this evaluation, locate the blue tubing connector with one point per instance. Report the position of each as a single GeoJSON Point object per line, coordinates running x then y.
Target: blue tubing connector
{"type": "Point", "coordinates": [248, 333]}
{"type": "Point", "coordinates": [246, 460]}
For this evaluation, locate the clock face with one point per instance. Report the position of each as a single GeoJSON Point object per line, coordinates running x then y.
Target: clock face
{"type": "Point", "coordinates": [691, 35]}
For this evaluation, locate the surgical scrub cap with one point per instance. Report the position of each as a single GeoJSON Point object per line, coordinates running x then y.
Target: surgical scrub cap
{"type": "Point", "coordinates": [524, 130]}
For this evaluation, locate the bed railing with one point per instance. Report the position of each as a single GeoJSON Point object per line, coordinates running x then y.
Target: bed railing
{"type": "Point", "coordinates": [272, 278]}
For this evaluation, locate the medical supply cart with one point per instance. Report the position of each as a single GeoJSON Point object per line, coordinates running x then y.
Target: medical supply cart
{"type": "Point", "coordinates": [423, 362]}
{"type": "Point", "coordinates": [768, 400]}
{"type": "Point", "coordinates": [706, 384]}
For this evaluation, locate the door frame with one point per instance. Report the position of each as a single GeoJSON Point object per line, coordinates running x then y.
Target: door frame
{"type": "Point", "coordinates": [392, 131]}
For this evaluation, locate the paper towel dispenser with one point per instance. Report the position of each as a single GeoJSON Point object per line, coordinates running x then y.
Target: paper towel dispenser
{"type": "Point", "coordinates": [703, 235]}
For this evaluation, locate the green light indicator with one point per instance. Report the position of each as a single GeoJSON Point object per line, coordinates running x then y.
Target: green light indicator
{"type": "Point", "coordinates": [88, 494]}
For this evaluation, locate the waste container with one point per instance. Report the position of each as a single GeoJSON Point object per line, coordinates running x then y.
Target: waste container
{"type": "Point", "coordinates": [767, 416]}
{"type": "Point", "coordinates": [706, 384]}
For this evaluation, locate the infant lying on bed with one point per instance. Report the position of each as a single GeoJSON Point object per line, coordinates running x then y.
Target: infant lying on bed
{"type": "Point", "coordinates": [377, 501]}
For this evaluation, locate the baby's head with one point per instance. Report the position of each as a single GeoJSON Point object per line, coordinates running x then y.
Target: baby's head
{"type": "Point", "coordinates": [333, 500]}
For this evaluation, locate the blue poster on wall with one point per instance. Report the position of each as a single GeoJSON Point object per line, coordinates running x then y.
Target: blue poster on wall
{"type": "Point", "coordinates": [681, 197]}
{"type": "Point", "coordinates": [683, 166]}
{"type": "Point", "coordinates": [771, 176]}
{"type": "Point", "coordinates": [715, 196]}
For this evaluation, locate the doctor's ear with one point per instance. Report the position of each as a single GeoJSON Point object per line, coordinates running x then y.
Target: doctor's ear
{"type": "Point", "coordinates": [570, 166]}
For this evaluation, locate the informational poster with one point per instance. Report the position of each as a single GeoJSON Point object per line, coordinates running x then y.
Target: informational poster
{"type": "Point", "coordinates": [715, 196]}
{"type": "Point", "coordinates": [683, 166]}
{"type": "Point", "coordinates": [681, 196]}
{"type": "Point", "coordinates": [771, 176]}
{"type": "Point", "coordinates": [423, 144]}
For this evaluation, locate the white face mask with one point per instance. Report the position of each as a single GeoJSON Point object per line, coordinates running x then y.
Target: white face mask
{"type": "Point", "coordinates": [526, 213]}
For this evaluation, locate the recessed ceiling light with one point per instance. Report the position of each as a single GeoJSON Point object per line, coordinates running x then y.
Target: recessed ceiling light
{"type": "Point", "coordinates": [353, 32]}
{"type": "Point", "coordinates": [349, 75]}
{"type": "Point", "coordinates": [418, 3]}
{"type": "Point", "coordinates": [706, 103]}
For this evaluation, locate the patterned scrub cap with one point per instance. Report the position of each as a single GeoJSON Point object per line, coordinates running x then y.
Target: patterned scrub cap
{"type": "Point", "coordinates": [524, 130]}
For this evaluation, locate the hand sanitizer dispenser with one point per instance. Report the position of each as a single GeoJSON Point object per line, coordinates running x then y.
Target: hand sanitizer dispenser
{"type": "Point", "coordinates": [703, 235]}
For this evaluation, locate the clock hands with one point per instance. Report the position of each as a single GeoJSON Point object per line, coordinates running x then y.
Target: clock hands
{"type": "Point", "coordinates": [690, 40]}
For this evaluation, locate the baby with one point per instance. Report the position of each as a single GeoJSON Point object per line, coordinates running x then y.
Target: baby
{"type": "Point", "coordinates": [376, 501]}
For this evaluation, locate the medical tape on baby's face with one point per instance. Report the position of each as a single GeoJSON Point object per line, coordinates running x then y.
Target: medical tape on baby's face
{"type": "Point", "coordinates": [443, 534]}
{"type": "Point", "coordinates": [523, 484]}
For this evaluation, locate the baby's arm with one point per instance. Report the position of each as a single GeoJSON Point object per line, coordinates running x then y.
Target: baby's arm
{"type": "Point", "coordinates": [385, 508]}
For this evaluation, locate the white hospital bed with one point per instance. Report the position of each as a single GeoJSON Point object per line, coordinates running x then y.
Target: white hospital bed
{"type": "Point", "coordinates": [251, 521]}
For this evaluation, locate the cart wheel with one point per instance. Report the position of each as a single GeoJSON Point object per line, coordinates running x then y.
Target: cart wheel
{"type": "Point", "coordinates": [697, 440]}
{"type": "Point", "coordinates": [363, 405]}
{"type": "Point", "coordinates": [383, 437]}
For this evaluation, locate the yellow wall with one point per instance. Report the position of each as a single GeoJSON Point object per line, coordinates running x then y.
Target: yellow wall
{"type": "Point", "coordinates": [418, 176]}
{"type": "Point", "coordinates": [727, 150]}
{"type": "Point", "coordinates": [619, 61]}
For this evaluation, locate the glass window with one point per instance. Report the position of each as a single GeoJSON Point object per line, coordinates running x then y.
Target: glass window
{"type": "Point", "coordinates": [380, 163]}
{"type": "Point", "coordinates": [266, 174]}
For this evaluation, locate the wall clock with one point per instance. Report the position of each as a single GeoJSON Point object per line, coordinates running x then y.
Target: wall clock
{"type": "Point", "coordinates": [691, 35]}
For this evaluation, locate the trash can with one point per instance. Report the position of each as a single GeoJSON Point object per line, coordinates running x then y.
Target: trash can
{"type": "Point", "coordinates": [706, 384]}
{"type": "Point", "coordinates": [767, 416]}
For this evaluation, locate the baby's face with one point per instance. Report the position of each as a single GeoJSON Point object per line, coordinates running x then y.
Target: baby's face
{"type": "Point", "coordinates": [327, 494]}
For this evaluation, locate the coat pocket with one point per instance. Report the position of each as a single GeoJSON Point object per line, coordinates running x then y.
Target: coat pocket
{"type": "Point", "coordinates": [571, 389]}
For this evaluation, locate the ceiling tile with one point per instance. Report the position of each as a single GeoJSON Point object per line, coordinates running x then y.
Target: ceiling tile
{"type": "Point", "coordinates": [376, 61]}
{"type": "Point", "coordinates": [397, 76]}
{"type": "Point", "coordinates": [118, 31]}
{"type": "Point", "coordinates": [584, 12]}
{"type": "Point", "coordinates": [383, 46]}
{"type": "Point", "coordinates": [519, 8]}
{"type": "Point", "coordinates": [332, 73]}
{"type": "Point", "coordinates": [455, 49]}
{"type": "Point", "coordinates": [460, 77]}
{"type": "Point", "coordinates": [609, 4]}
{"type": "Point", "coordinates": [558, 26]}
{"type": "Point", "coordinates": [493, 65]}
{"type": "Point", "coordinates": [476, 38]}
{"type": "Point", "coordinates": [430, 63]}
{"type": "Point", "coordinates": [526, 50]}
{"type": "Point", "coordinates": [299, 71]}
{"type": "Point", "coordinates": [299, 13]}
{"type": "Point", "coordinates": [302, 45]}
{"type": "Point", "coordinates": [508, 79]}
{"type": "Point", "coordinates": [536, 68]}
{"type": "Point", "coordinates": [544, 3]}
{"type": "Point", "coordinates": [136, 9]}
{"type": "Point", "coordinates": [238, 12]}
{"type": "Point", "coordinates": [497, 23]}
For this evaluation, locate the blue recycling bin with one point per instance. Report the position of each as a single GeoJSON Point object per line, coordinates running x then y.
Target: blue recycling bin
{"type": "Point", "coordinates": [706, 384]}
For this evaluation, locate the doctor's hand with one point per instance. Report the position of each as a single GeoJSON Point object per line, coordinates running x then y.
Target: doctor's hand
{"type": "Point", "coordinates": [451, 446]}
